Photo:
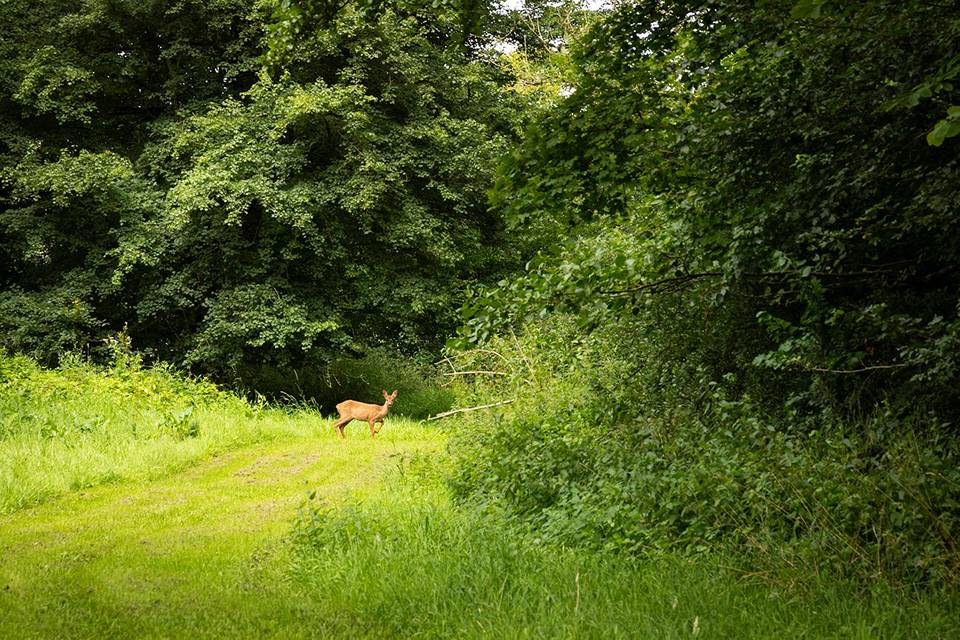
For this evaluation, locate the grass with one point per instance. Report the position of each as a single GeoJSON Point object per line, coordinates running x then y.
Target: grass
{"type": "Point", "coordinates": [406, 563]}
{"type": "Point", "coordinates": [272, 527]}
{"type": "Point", "coordinates": [199, 553]}
{"type": "Point", "coordinates": [77, 427]}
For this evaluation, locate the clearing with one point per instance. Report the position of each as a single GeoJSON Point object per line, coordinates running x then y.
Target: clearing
{"type": "Point", "coordinates": [208, 552]}
{"type": "Point", "coordinates": [187, 553]}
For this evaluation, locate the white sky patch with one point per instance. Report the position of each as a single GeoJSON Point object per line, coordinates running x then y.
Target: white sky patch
{"type": "Point", "coordinates": [592, 5]}
{"type": "Point", "coordinates": [516, 5]}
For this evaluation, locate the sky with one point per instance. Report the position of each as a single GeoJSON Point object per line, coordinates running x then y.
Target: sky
{"type": "Point", "coordinates": [590, 4]}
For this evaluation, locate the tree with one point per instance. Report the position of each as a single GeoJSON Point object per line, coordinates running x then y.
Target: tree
{"type": "Point", "coordinates": [749, 158]}
{"type": "Point", "coordinates": [334, 201]}
{"type": "Point", "coordinates": [82, 85]}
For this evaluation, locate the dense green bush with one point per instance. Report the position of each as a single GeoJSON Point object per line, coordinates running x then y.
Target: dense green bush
{"type": "Point", "coordinates": [247, 183]}
{"type": "Point", "coordinates": [600, 452]}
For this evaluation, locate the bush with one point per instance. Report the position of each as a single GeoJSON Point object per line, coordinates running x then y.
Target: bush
{"type": "Point", "coordinates": [420, 393]}
{"type": "Point", "coordinates": [669, 461]}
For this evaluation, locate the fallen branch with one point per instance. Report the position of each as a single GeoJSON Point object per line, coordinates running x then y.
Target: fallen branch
{"type": "Point", "coordinates": [469, 352]}
{"type": "Point", "coordinates": [482, 406]}
{"type": "Point", "coordinates": [861, 370]}
{"type": "Point", "coordinates": [467, 373]}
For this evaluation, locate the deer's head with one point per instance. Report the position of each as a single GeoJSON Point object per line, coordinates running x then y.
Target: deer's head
{"type": "Point", "coordinates": [389, 397]}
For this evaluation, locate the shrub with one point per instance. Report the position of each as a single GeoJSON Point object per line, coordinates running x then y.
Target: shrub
{"type": "Point", "coordinates": [684, 464]}
{"type": "Point", "coordinates": [358, 378]}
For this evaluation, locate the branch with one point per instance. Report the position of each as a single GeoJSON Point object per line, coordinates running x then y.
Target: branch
{"type": "Point", "coordinates": [448, 361]}
{"type": "Point", "coordinates": [482, 406]}
{"type": "Point", "coordinates": [469, 351]}
{"type": "Point", "coordinates": [871, 368]}
{"type": "Point", "coordinates": [666, 283]}
{"type": "Point", "coordinates": [678, 282]}
{"type": "Point", "coordinates": [467, 373]}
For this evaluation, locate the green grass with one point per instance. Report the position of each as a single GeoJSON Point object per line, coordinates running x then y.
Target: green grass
{"type": "Point", "coordinates": [406, 563]}
{"type": "Point", "coordinates": [199, 553]}
{"type": "Point", "coordinates": [272, 527]}
{"type": "Point", "coordinates": [77, 427]}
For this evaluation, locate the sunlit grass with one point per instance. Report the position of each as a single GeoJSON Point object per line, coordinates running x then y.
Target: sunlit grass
{"type": "Point", "coordinates": [78, 427]}
{"type": "Point", "coordinates": [229, 520]}
{"type": "Point", "coordinates": [198, 553]}
{"type": "Point", "coordinates": [406, 563]}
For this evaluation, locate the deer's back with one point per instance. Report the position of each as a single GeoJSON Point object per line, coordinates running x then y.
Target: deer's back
{"type": "Point", "coordinates": [356, 409]}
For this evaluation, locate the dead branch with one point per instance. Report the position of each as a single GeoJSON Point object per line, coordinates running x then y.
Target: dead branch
{"type": "Point", "coordinates": [471, 351]}
{"type": "Point", "coordinates": [466, 409]}
{"type": "Point", "coordinates": [878, 366]}
{"type": "Point", "coordinates": [468, 373]}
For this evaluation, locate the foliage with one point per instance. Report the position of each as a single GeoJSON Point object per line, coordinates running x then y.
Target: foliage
{"type": "Point", "coordinates": [613, 445]}
{"type": "Point", "coordinates": [751, 159]}
{"type": "Point", "coordinates": [244, 183]}
{"type": "Point", "coordinates": [757, 250]}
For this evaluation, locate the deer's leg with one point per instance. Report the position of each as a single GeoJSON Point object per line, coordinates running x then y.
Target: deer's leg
{"type": "Point", "coordinates": [373, 432]}
{"type": "Point", "coordinates": [381, 424]}
{"type": "Point", "coordinates": [340, 425]}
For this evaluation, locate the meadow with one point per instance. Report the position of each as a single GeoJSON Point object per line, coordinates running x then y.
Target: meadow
{"type": "Point", "coordinates": [259, 522]}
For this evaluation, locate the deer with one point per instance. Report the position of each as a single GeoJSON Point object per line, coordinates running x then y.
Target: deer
{"type": "Point", "coordinates": [371, 413]}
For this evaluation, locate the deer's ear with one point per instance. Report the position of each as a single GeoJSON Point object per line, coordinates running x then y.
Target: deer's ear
{"type": "Point", "coordinates": [394, 394]}
{"type": "Point", "coordinates": [385, 394]}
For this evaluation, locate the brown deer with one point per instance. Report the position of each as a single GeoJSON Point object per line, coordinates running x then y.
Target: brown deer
{"type": "Point", "coordinates": [372, 413]}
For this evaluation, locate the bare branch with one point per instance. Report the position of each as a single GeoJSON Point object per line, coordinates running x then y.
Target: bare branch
{"type": "Point", "coordinates": [468, 373]}
{"type": "Point", "coordinates": [861, 370]}
{"type": "Point", "coordinates": [455, 411]}
{"type": "Point", "coordinates": [448, 361]}
{"type": "Point", "coordinates": [470, 351]}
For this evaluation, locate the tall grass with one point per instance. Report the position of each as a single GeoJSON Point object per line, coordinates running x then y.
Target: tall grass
{"type": "Point", "coordinates": [406, 562]}
{"type": "Point", "coordinates": [79, 426]}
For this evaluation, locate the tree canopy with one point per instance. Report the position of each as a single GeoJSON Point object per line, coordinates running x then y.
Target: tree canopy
{"type": "Point", "coordinates": [772, 161]}
{"type": "Point", "coordinates": [244, 183]}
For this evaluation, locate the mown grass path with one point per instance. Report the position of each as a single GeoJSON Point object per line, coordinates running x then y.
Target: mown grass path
{"type": "Point", "coordinates": [205, 553]}
{"type": "Point", "coordinates": [191, 555]}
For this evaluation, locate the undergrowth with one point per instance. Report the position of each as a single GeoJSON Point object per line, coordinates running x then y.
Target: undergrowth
{"type": "Point", "coordinates": [614, 446]}
{"type": "Point", "coordinates": [406, 562]}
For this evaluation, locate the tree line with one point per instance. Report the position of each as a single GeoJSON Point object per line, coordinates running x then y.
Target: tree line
{"type": "Point", "coordinates": [251, 185]}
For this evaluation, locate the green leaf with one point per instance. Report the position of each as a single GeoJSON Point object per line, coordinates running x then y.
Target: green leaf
{"type": "Point", "coordinates": [807, 9]}
{"type": "Point", "coordinates": [944, 129]}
